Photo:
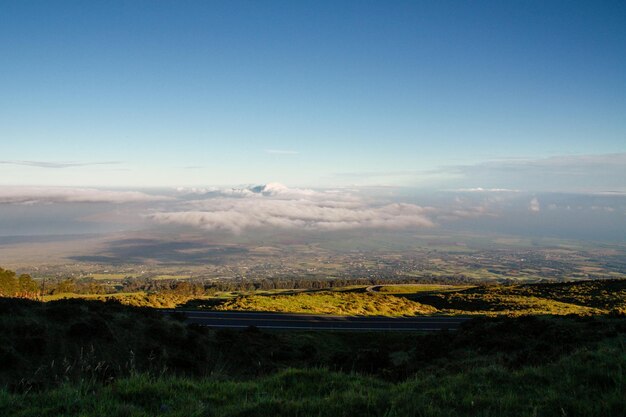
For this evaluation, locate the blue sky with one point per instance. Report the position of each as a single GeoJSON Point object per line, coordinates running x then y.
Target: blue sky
{"type": "Point", "coordinates": [316, 94]}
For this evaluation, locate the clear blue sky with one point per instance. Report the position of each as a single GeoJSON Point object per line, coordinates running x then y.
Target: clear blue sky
{"type": "Point", "coordinates": [305, 93]}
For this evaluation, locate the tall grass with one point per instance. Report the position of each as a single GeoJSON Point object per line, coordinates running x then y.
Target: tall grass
{"type": "Point", "coordinates": [585, 383]}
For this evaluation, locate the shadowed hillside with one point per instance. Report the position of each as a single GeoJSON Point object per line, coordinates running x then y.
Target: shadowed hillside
{"type": "Point", "coordinates": [77, 357]}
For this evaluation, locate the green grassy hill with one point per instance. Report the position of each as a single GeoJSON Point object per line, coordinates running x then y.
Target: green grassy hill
{"type": "Point", "coordinates": [326, 302]}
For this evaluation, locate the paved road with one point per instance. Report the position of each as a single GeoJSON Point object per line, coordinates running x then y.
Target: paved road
{"type": "Point", "coordinates": [219, 319]}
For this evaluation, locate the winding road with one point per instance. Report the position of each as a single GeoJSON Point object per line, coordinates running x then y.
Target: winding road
{"type": "Point", "coordinates": [280, 321]}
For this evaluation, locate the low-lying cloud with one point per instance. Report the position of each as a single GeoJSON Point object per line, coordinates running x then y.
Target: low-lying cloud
{"type": "Point", "coordinates": [48, 195]}
{"type": "Point", "coordinates": [486, 190]}
{"type": "Point", "coordinates": [276, 206]}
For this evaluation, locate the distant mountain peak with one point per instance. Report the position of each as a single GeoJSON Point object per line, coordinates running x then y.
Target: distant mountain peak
{"type": "Point", "coordinates": [270, 188]}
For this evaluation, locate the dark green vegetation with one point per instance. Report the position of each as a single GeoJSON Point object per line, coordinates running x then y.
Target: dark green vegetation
{"type": "Point", "coordinates": [582, 384]}
{"type": "Point", "coordinates": [537, 349]}
{"type": "Point", "coordinates": [78, 357]}
{"type": "Point", "coordinates": [582, 298]}
{"type": "Point", "coordinates": [585, 297]}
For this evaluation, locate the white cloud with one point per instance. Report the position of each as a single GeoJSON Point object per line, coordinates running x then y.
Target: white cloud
{"type": "Point", "coordinates": [47, 195]}
{"type": "Point", "coordinates": [281, 192]}
{"type": "Point", "coordinates": [534, 205]}
{"type": "Point", "coordinates": [486, 190]}
{"type": "Point", "coordinates": [276, 206]}
{"type": "Point", "coordinates": [195, 190]}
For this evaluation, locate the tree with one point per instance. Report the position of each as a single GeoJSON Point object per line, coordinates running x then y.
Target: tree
{"type": "Point", "coordinates": [8, 283]}
{"type": "Point", "coordinates": [27, 287]}
{"type": "Point", "coordinates": [65, 286]}
{"type": "Point", "coordinates": [11, 286]}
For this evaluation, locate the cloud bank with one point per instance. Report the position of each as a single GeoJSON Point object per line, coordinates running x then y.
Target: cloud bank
{"type": "Point", "coordinates": [48, 195]}
{"type": "Point", "coordinates": [276, 206]}
{"type": "Point", "coordinates": [486, 190]}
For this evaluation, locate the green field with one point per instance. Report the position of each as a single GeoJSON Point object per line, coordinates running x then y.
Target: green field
{"type": "Point", "coordinates": [107, 276]}
{"type": "Point", "coordinates": [416, 288]}
{"type": "Point", "coordinates": [101, 297]}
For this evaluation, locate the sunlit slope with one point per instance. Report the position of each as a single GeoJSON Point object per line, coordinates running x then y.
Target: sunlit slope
{"type": "Point", "coordinates": [326, 302]}
{"type": "Point", "coordinates": [583, 298]}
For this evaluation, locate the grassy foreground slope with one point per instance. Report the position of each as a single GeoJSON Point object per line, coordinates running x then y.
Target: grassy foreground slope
{"type": "Point", "coordinates": [584, 383]}
{"type": "Point", "coordinates": [89, 358]}
{"type": "Point", "coordinates": [78, 357]}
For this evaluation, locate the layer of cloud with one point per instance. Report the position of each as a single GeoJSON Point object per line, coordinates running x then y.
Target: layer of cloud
{"type": "Point", "coordinates": [195, 190]}
{"type": "Point", "coordinates": [57, 165]}
{"type": "Point", "coordinates": [276, 206]}
{"type": "Point", "coordinates": [48, 195]}
{"type": "Point", "coordinates": [486, 190]}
